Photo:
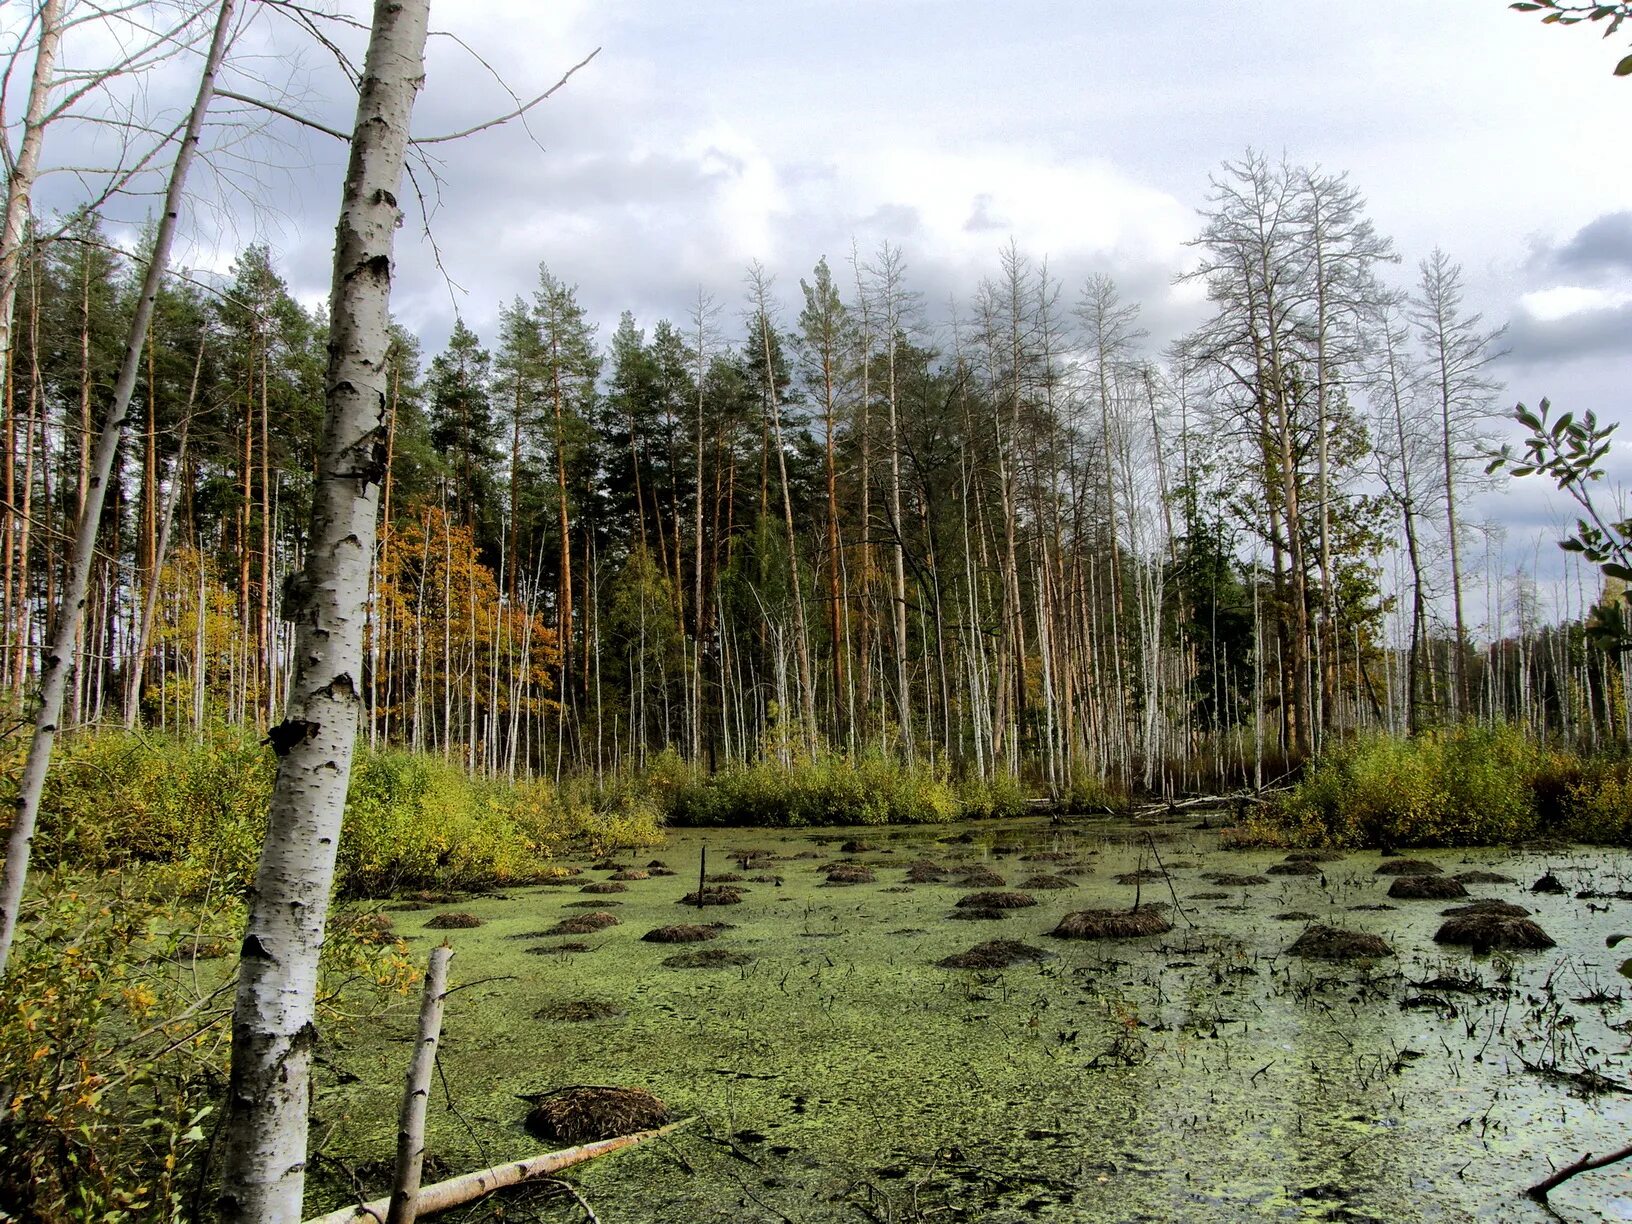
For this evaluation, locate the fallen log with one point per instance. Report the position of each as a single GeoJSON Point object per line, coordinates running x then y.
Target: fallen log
{"type": "Point", "coordinates": [1542, 1189]}
{"type": "Point", "coordinates": [469, 1187]}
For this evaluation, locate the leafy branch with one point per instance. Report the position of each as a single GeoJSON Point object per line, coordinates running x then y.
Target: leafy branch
{"type": "Point", "coordinates": [1570, 451]}
{"type": "Point", "coordinates": [1575, 14]}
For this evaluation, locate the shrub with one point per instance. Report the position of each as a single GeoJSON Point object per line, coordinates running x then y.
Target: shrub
{"type": "Point", "coordinates": [198, 808]}
{"type": "Point", "coordinates": [1460, 787]}
{"type": "Point", "coordinates": [1597, 804]}
{"type": "Point", "coordinates": [113, 1043]}
{"type": "Point", "coordinates": [837, 790]}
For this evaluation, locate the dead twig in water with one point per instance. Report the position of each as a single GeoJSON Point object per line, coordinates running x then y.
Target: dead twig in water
{"type": "Point", "coordinates": [1176, 905]}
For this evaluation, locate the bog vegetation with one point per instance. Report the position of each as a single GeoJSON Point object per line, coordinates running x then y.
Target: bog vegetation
{"type": "Point", "coordinates": [825, 557]}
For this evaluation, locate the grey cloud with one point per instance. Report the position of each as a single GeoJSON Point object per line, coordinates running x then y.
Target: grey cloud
{"type": "Point", "coordinates": [980, 216]}
{"type": "Point", "coordinates": [1584, 334]}
{"type": "Point", "coordinates": [1602, 245]}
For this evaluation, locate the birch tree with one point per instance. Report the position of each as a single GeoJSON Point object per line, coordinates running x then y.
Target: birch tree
{"type": "Point", "coordinates": [70, 615]}
{"type": "Point", "coordinates": [273, 1031]}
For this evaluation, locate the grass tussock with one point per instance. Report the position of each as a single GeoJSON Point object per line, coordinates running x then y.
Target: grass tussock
{"type": "Point", "coordinates": [996, 900]}
{"type": "Point", "coordinates": [1113, 924]}
{"type": "Point", "coordinates": [1426, 888]}
{"type": "Point", "coordinates": [1487, 930]}
{"type": "Point", "coordinates": [458, 921]}
{"type": "Point", "coordinates": [1335, 943]}
{"type": "Point", "coordinates": [684, 933]}
{"type": "Point", "coordinates": [582, 1115]}
{"type": "Point", "coordinates": [994, 954]}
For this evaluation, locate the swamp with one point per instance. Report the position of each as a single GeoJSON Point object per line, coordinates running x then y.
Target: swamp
{"type": "Point", "coordinates": [839, 1069]}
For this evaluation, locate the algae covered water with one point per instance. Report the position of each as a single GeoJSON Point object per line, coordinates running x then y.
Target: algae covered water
{"type": "Point", "coordinates": [841, 1073]}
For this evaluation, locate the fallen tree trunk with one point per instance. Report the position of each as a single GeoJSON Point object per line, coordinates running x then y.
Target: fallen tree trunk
{"type": "Point", "coordinates": [469, 1187]}
{"type": "Point", "coordinates": [1542, 1189]}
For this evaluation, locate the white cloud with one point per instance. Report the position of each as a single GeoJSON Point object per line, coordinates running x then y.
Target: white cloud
{"type": "Point", "coordinates": [1562, 301]}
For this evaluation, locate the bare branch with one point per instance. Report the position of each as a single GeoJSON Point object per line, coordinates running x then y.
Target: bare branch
{"type": "Point", "coordinates": [519, 111]}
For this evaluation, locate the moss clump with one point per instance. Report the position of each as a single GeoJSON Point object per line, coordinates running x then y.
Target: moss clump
{"type": "Point", "coordinates": [582, 1115]}
{"type": "Point", "coordinates": [1228, 879]}
{"type": "Point", "coordinates": [996, 900]}
{"type": "Point", "coordinates": [569, 948]}
{"type": "Point", "coordinates": [1335, 943]}
{"type": "Point", "coordinates": [457, 921]}
{"type": "Point", "coordinates": [721, 894]}
{"type": "Point", "coordinates": [1313, 856]}
{"type": "Point", "coordinates": [981, 877]}
{"type": "Point", "coordinates": [1407, 867]}
{"type": "Point", "coordinates": [849, 873]}
{"type": "Point", "coordinates": [706, 958]}
{"type": "Point", "coordinates": [857, 846]}
{"type": "Point", "coordinates": [590, 904]}
{"type": "Point", "coordinates": [1047, 882]}
{"type": "Point", "coordinates": [1113, 924]}
{"type": "Point", "coordinates": [605, 886]}
{"type": "Point", "coordinates": [994, 954]}
{"type": "Point", "coordinates": [979, 913]}
{"type": "Point", "coordinates": [1485, 930]}
{"type": "Point", "coordinates": [584, 924]}
{"type": "Point", "coordinates": [1048, 856]}
{"type": "Point", "coordinates": [1426, 887]}
{"type": "Point", "coordinates": [684, 933]}
{"type": "Point", "coordinates": [631, 873]}
{"type": "Point", "coordinates": [579, 1011]}
{"type": "Point", "coordinates": [1298, 867]}
{"type": "Point", "coordinates": [1549, 884]}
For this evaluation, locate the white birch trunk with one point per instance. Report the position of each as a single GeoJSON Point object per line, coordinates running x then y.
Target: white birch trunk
{"type": "Point", "coordinates": [20, 185]}
{"type": "Point", "coordinates": [60, 651]}
{"type": "Point", "coordinates": [273, 1032]}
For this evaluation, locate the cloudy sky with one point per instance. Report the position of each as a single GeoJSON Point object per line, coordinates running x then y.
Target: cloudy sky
{"type": "Point", "coordinates": [708, 133]}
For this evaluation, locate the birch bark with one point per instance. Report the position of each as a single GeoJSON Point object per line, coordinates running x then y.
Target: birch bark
{"type": "Point", "coordinates": [273, 1029]}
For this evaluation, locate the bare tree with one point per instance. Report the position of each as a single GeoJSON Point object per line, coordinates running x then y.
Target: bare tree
{"type": "Point", "coordinates": [1458, 351]}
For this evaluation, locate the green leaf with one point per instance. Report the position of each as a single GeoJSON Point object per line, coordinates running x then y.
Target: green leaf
{"type": "Point", "coordinates": [1616, 570]}
{"type": "Point", "coordinates": [1626, 968]}
{"type": "Point", "coordinates": [1624, 68]}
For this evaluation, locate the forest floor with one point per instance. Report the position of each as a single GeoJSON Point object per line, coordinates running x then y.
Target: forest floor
{"type": "Point", "coordinates": [1203, 1074]}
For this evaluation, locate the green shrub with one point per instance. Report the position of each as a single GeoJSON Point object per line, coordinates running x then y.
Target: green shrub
{"type": "Point", "coordinates": [836, 790]}
{"type": "Point", "coordinates": [198, 809]}
{"type": "Point", "coordinates": [1597, 805]}
{"type": "Point", "coordinates": [115, 1018]}
{"type": "Point", "coordinates": [1465, 786]}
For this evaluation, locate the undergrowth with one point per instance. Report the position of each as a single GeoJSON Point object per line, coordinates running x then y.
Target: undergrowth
{"type": "Point", "coordinates": [197, 809]}
{"type": "Point", "coordinates": [1460, 786]}
{"type": "Point", "coordinates": [836, 790]}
